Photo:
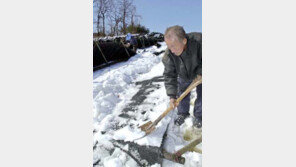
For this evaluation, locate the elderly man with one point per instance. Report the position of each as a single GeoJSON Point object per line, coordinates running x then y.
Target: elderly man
{"type": "Point", "coordinates": [183, 63]}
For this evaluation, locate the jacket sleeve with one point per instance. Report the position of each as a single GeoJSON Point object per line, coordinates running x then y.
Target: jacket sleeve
{"type": "Point", "coordinates": [199, 70]}
{"type": "Point", "coordinates": [170, 75]}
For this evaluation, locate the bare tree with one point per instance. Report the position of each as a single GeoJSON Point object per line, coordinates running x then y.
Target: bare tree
{"type": "Point", "coordinates": [114, 17]}
{"type": "Point", "coordinates": [134, 17]}
{"type": "Point", "coordinates": [117, 13]}
{"type": "Point", "coordinates": [125, 9]}
{"type": "Point", "coordinates": [95, 8]}
{"type": "Point", "coordinates": [102, 7]}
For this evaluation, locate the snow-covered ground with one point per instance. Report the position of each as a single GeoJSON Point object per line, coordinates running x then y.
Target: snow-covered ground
{"type": "Point", "coordinates": [134, 89]}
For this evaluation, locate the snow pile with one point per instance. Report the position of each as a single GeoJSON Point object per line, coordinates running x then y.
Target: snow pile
{"type": "Point", "coordinates": [128, 134]}
{"type": "Point", "coordinates": [156, 165]}
{"type": "Point", "coordinates": [109, 84]}
{"type": "Point", "coordinates": [117, 159]}
{"type": "Point", "coordinates": [152, 113]}
{"type": "Point", "coordinates": [113, 88]}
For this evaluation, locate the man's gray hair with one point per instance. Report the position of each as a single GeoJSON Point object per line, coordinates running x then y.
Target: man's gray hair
{"type": "Point", "coordinates": [176, 30]}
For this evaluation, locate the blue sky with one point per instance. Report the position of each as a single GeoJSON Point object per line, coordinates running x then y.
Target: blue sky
{"type": "Point", "coordinates": [157, 15]}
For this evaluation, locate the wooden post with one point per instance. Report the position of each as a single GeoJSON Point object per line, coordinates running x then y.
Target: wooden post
{"type": "Point", "coordinates": [125, 49]}
{"type": "Point", "coordinates": [101, 52]}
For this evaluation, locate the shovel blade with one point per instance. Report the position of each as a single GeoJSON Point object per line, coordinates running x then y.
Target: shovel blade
{"type": "Point", "coordinates": [150, 129]}
{"type": "Point", "coordinates": [145, 126]}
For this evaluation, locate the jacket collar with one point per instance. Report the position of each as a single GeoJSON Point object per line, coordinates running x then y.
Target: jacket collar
{"type": "Point", "coordinates": [186, 50]}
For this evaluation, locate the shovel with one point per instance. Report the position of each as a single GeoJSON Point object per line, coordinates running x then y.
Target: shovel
{"type": "Point", "coordinates": [177, 156]}
{"type": "Point", "coordinates": [150, 126]}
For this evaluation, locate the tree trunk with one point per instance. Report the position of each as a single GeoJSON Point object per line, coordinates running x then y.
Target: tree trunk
{"type": "Point", "coordinates": [98, 23]}
{"type": "Point", "coordinates": [132, 23]}
{"type": "Point", "coordinates": [103, 17]}
{"type": "Point", "coordinates": [123, 22]}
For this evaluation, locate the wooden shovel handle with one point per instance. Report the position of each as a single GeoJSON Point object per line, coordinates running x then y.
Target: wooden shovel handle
{"type": "Point", "coordinates": [194, 83]}
{"type": "Point", "coordinates": [189, 146]}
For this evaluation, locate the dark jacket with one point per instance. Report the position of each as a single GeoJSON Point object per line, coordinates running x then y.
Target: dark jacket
{"type": "Point", "coordinates": [187, 66]}
{"type": "Point", "coordinates": [132, 41]}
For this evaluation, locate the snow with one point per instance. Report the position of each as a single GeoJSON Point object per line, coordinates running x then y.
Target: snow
{"type": "Point", "coordinates": [156, 165]}
{"type": "Point", "coordinates": [175, 138]}
{"type": "Point", "coordinates": [113, 89]}
{"type": "Point", "coordinates": [109, 85]}
{"type": "Point", "coordinates": [128, 134]}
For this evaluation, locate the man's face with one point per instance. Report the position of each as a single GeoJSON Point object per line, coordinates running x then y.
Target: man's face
{"type": "Point", "coordinates": [175, 46]}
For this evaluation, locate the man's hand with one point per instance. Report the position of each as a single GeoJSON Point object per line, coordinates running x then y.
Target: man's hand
{"type": "Point", "coordinates": [198, 77]}
{"type": "Point", "coordinates": [173, 103]}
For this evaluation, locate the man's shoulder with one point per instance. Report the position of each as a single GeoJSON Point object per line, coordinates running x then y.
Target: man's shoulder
{"type": "Point", "coordinates": [196, 36]}
{"type": "Point", "coordinates": [166, 55]}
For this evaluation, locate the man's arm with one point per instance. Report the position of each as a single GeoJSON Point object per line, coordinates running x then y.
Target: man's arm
{"type": "Point", "coordinates": [199, 70]}
{"type": "Point", "coordinates": [170, 75]}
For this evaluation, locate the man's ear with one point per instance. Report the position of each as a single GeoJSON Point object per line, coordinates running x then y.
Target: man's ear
{"type": "Point", "coordinates": [185, 41]}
